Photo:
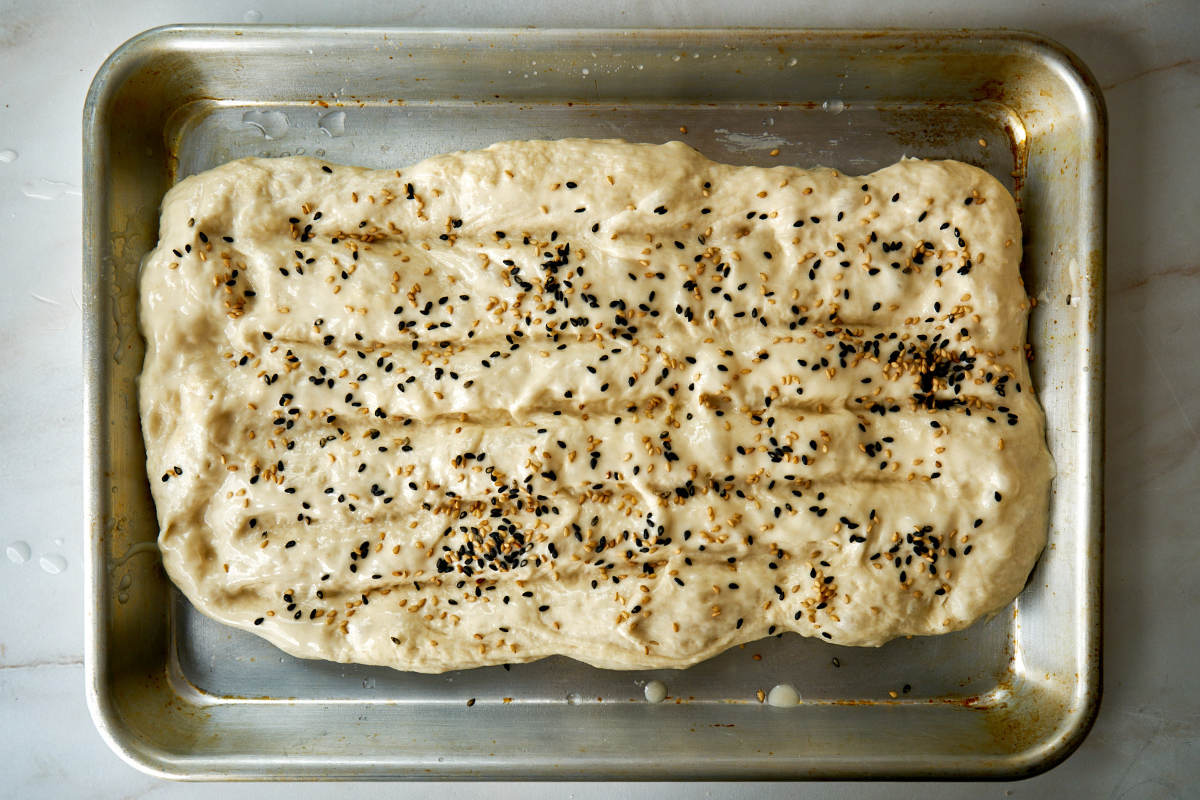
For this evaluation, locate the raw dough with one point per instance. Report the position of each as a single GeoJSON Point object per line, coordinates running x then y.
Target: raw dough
{"type": "Point", "coordinates": [608, 400]}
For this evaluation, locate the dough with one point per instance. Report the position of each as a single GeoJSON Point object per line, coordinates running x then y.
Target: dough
{"type": "Point", "coordinates": [612, 401]}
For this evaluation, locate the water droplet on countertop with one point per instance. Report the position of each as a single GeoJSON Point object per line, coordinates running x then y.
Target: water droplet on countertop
{"type": "Point", "coordinates": [333, 124]}
{"type": "Point", "coordinates": [574, 699]}
{"type": "Point", "coordinates": [252, 16]}
{"type": "Point", "coordinates": [834, 106]}
{"type": "Point", "coordinates": [58, 542]}
{"type": "Point", "coordinates": [783, 696]}
{"type": "Point", "coordinates": [585, 71]}
{"type": "Point", "coordinates": [46, 189]}
{"type": "Point", "coordinates": [655, 691]}
{"type": "Point", "coordinates": [271, 124]}
{"type": "Point", "coordinates": [8, 156]}
{"type": "Point", "coordinates": [18, 552]}
{"type": "Point", "coordinates": [52, 564]}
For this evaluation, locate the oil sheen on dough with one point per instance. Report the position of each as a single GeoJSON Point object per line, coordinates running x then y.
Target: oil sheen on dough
{"type": "Point", "coordinates": [607, 400]}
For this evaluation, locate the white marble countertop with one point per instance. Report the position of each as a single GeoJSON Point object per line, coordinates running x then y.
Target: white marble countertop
{"type": "Point", "coordinates": [1144, 53]}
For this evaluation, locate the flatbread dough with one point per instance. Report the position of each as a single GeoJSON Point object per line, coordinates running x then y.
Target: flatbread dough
{"type": "Point", "coordinates": [613, 401]}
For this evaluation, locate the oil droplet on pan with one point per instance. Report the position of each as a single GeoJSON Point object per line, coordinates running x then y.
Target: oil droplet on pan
{"type": "Point", "coordinates": [656, 692]}
{"type": "Point", "coordinates": [333, 124]}
{"type": "Point", "coordinates": [784, 696]}
{"type": "Point", "coordinates": [271, 124]}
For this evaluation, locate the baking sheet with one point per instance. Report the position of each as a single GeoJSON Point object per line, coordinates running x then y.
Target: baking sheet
{"type": "Point", "coordinates": [178, 694]}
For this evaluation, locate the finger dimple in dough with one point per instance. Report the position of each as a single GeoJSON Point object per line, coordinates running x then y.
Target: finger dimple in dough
{"type": "Point", "coordinates": [607, 400]}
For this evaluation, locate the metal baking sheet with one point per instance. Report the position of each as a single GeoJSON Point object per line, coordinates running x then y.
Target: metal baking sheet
{"type": "Point", "coordinates": [178, 695]}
